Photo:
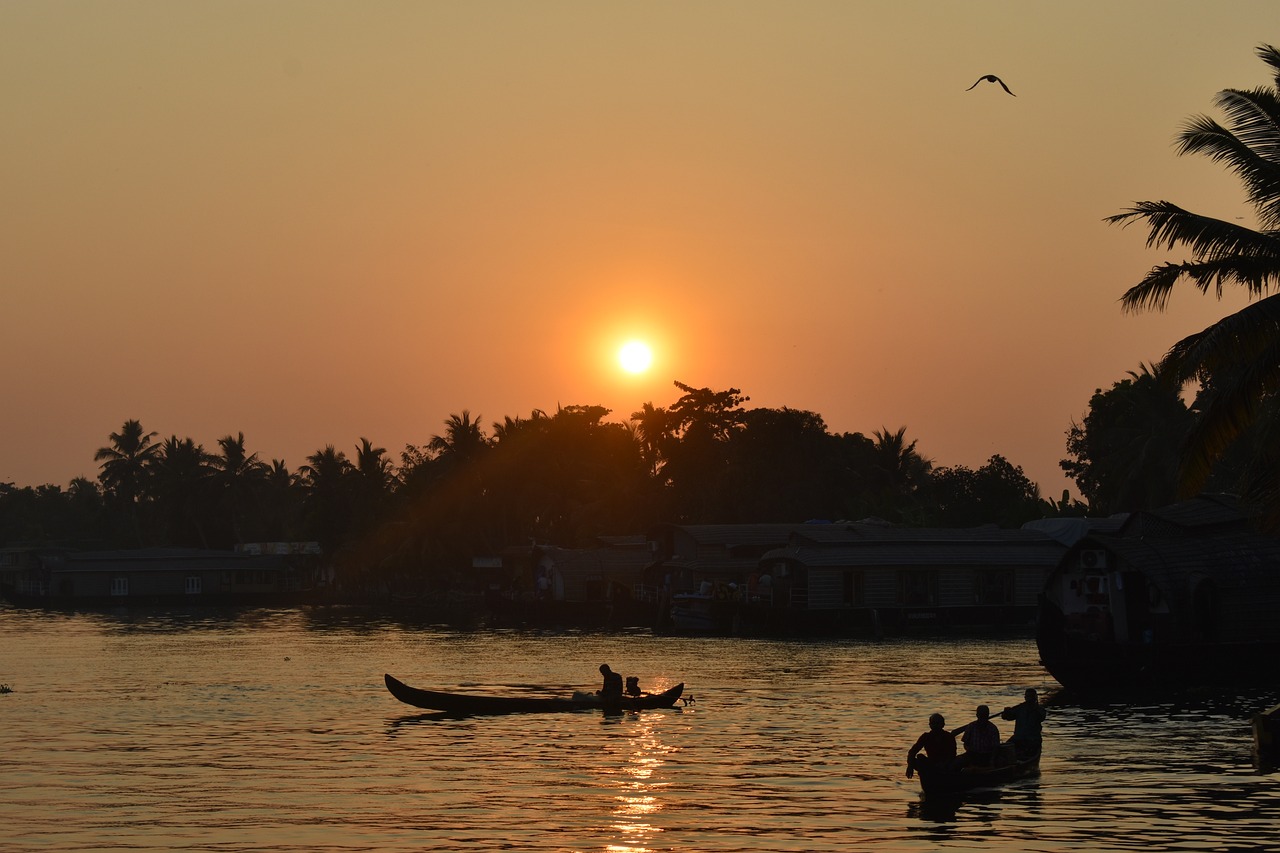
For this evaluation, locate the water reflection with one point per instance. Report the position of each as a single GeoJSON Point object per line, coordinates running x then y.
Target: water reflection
{"type": "Point", "coordinates": [636, 800]}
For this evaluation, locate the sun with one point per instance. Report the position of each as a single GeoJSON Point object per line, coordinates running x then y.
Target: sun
{"type": "Point", "coordinates": [635, 356]}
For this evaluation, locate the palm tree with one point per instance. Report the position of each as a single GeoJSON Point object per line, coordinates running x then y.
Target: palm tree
{"type": "Point", "coordinates": [373, 479]}
{"type": "Point", "coordinates": [654, 430]}
{"type": "Point", "coordinates": [126, 467]}
{"type": "Point", "coordinates": [463, 439]}
{"type": "Point", "coordinates": [898, 473]}
{"type": "Point", "coordinates": [238, 477]}
{"type": "Point", "coordinates": [181, 474]}
{"type": "Point", "coordinates": [1239, 355]}
{"type": "Point", "coordinates": [326, 478]}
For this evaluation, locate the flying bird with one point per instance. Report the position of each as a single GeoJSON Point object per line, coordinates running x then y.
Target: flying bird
{"type": "Point", "coordinates": [991, 78]}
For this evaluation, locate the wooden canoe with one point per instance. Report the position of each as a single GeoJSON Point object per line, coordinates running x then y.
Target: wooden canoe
{"type": "Point", "coordinates": [945, 780]}
{"type": "Point", "coordinates": [469, 703]}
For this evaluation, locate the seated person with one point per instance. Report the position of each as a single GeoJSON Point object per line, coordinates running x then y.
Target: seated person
{"type": "Point", "coordinates": [633, 686]}
{"type": "Point", "coordinates": [981, 740]}
{"type": "Point", "coordinates": [939, 747]}
{"type": "Point", "coordinates": [612, 687]}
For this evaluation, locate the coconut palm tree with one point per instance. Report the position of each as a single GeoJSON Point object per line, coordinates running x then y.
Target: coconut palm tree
{"type": "Point", "coordinates": [181, 482]}
{"type": "Point", "coordinates": [1239, 355]}
{"type": "Point", "coordinates": [898, 474]}
{"type": "Point", "coordinates": [126, 468]}
{"type": "Point", "coordinates": [326, 479]}
{"type": "Point", "coordinates": [373, 477]}
{"type": "Point", "coordinates": [238, 477]}
{"type": "Point", "coordinates": [463, 438]}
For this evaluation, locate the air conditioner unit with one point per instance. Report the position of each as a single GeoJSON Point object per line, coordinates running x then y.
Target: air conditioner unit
{"type": "Point", "coordinates": [1093, 558]}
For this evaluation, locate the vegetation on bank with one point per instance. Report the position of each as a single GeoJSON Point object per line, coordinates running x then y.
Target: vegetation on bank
{"type": "Point", "coordinates": [558, 479]}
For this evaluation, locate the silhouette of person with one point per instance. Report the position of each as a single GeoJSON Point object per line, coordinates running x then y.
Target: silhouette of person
{"type": "Point", "coordinates": [612, 688]}
{"type": "Point", "coordinates": [981, 739]}
{"type": "Point", "coordinates": [938, 744]}
{"type": "Point", "coordinates": [1027, 718]}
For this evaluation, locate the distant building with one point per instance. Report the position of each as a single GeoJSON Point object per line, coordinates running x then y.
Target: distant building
{"type": "Point", "coordinates": [163, 575]}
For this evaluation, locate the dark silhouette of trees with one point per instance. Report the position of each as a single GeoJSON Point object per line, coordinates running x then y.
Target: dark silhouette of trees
{"type": "Point", "coordinates": [1124, 455]}
{"type": "Point", "coordinates": [898, 476]}
{"type": "Point", "coordinates": [783, 465]}
{"type": "Point", "coordinates": [180, 492]}
{"type": "Point", "coordinates": [998, 493]}
{"type": "Point", "coordinates": [126, 470]}
{"type": "Point", "coordinates": [326, 486]}
{"type": "Point", "coordinates": [237, 478]}
{"type": "Point", "coordinates": [1238, 356]}
{"type": "Point", "coordinates": [694, 449]}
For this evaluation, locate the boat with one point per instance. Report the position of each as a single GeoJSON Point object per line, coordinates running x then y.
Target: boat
{"type": "Point", "coordinates": [472, 704]}
{"type": "Point", "coordinates": [948, 780]}
{"type": "Point", "coordinates": [1178, 598]}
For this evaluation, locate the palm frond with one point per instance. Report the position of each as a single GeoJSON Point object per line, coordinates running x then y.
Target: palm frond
{"type": "Point", "coordinates": [1239, 359]}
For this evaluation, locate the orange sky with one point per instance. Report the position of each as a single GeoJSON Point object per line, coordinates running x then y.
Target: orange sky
{"type": "Point", "coordinates": [314, 221]}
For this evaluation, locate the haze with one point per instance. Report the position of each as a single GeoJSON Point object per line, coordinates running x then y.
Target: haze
{"type": "Point", "coordinates": [314, 221]}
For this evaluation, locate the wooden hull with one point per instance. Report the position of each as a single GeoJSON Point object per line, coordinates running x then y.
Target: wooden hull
{"type": "Point", "coordinates": [464, 703]}
{"type": "Point", "coordinates": [947, 781]}
{"type": "Point", "coordinates": [1092, 665]}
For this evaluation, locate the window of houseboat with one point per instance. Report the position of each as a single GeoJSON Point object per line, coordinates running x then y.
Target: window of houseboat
{"type": "Point", "coordinates": [193, 585]}
{"type": "Point", "coordinates": [852, 595]}
{"type": "Point", "coordinates": [119, 586]}
{"type": "Point", "coordinates": [918, 587]}
{"type": "Point", "coordinates": [993, 586]}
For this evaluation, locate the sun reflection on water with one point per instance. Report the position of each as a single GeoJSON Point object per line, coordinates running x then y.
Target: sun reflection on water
{"type": "Point", "coordinates": [637, 802]}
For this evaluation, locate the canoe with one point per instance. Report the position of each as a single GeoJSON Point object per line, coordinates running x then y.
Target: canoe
{"type": "Point", "coordinates": [945, 780]}
{"type": "Point", "coordinates": [469, 703]}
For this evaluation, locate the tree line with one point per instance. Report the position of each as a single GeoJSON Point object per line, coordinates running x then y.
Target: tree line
{"type": "Point", "coordinates": [563, 479]}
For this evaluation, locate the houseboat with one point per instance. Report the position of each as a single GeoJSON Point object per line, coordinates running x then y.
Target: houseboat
{"type": "Point", "coordinates": [1183, 596]}
{"type": "Point", "coordinates": [852, 578]}
{"type": "Point", "coordinates": [259, 574]}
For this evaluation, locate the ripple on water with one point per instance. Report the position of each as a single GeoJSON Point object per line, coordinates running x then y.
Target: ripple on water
{"type": "Point", "coordinates": [272, 731]}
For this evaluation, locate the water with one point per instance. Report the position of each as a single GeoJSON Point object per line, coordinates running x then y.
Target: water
{"type": "Point", "coordinates": [271, 730]}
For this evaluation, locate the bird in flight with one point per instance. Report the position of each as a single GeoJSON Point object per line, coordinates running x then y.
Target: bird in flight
{"type": "Point", "coordinates": [991, 78]}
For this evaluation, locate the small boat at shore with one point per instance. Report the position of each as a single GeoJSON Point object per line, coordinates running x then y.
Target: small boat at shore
{"type": "Point", "coordinates": [472, 704]}
{"type": "Point", "coordinates": [947, 780]}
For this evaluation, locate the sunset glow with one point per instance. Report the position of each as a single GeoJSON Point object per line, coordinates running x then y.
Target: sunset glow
{"type": "Point", "coordinates": [635, 356]}
{"type": "Point", "coordinates": [442, 207]}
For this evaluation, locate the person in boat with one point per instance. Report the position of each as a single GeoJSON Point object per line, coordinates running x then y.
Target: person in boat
{"type": "Point", "coordinates": [981, 740]}
{"type": "Point", "coordinates": [633, 686]}
{"type": "Point", "coordinates": [612, 688]}
{"type": "Point", "coordinates": [1027, 719]}
{"type": "Point", "coordinates": [938, 744]}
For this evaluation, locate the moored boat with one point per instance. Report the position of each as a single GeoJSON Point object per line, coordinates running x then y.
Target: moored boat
{"type": "Point", "coordinates": [948, 780]}
{"type": "Point", "coordinates": [472, 704]}
{"type": "Point", "coordinates": [1176, 598]}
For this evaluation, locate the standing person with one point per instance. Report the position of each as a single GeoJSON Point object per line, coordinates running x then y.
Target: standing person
{"type": "Point", "coordinates": [939, 747]}
{"type": "Point", "coordinates": [1027, 718]}
{"type": "Point", "coordinates": [612, 688]}
{"type": "Point", "coordinates": [981, 739]}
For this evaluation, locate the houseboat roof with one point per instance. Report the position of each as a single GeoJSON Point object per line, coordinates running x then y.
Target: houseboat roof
{"type": "Point", "coordinates": [930, 547]}
{"type": "Point", "coordinates": [733, 535]}
{"type": "Point", "coordinates": [1199, 515]}
{"type": "Point", "coordinates": [162, 559]}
